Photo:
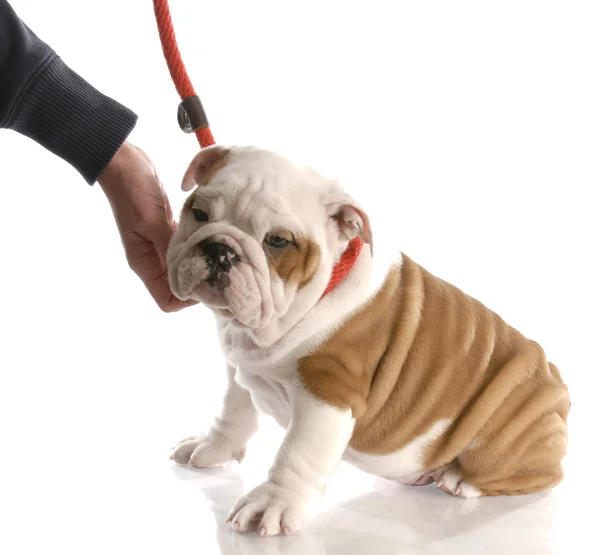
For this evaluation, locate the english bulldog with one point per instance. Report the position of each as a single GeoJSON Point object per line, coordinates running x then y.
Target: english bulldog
{"type": "Point", "coordinates": [398, 372]}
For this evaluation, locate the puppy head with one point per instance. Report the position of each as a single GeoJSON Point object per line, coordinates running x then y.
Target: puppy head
{"type": "Point", "coordinates": [259, 236]}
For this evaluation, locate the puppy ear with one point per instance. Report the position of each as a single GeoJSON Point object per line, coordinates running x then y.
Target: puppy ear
{"type": "Point", "coordinates": [351, 220]}
{"type": "Point", "coordinates": [203, 166]}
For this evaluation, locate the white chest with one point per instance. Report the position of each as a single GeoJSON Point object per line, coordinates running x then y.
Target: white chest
{"type": "Point", "coordinates": [271, 391]}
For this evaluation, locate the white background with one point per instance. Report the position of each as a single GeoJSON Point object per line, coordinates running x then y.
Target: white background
{"type": "Point", "coordinates": [469, 130]}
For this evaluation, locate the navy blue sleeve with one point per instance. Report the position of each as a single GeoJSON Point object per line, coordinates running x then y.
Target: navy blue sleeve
{"type": "Point", "coordinates": [42, 98]}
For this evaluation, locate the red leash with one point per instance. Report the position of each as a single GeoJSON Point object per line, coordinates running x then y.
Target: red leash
{"type": "Point", "coordinates": [191, 116]}
{"type": "Point", "coordinates": [192, 119]}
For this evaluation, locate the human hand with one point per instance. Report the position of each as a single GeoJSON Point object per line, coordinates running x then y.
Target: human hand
{"type": "Point", "coordinates": [144, 219]}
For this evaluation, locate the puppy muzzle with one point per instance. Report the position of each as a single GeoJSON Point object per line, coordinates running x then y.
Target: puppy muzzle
{"type": "Point", "coordinates": [223, 268]}
{"type": "Point", "coordinates": [220, 258]}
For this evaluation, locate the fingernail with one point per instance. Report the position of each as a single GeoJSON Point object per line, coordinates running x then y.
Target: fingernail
{"type": "Point", "coordinates": [262, 532]}
{"type": "Point", "coordinates": [171, 457]}
{"type": "Point", "coordinates": [236, 525]}
{"type": "Point", "coordinates": [287, 531]}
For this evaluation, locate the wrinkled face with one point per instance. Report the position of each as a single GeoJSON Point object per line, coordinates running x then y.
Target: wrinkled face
{"type": "Point", "coordinates": [258, 237]}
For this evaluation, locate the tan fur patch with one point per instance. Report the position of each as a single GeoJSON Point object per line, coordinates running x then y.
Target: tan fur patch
{"type": "Point", "coordinates": [187, 206]}
{"type": "Point", "coordinates": [203, 175]}
{"type": "Point", "coordinates": [296, 263]}
{"type": "Point", "coordinates": [422, 351]}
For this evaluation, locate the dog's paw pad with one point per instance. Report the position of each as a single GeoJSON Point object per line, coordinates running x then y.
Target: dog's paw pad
{"type": "Point", "coordinates": [270, 510]}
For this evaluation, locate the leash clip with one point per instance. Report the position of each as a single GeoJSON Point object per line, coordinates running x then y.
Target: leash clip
{"type": "Point", "coordinates": [191, 115]}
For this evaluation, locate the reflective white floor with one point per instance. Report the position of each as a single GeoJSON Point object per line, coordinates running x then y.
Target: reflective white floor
{"type": "Point", "coordinates": [136, 501]}
{"type": "Point", "coordinates": [376, 517]}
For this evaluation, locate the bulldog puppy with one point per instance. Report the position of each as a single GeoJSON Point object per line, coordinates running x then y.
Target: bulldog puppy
{"type": "Point", "coordinates": [399, 373]}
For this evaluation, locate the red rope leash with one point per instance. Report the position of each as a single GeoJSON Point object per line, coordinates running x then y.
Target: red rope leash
{"type": "Point", "coordinates": [182, 82]}
{"type": "Point", "coordinates": [192, 118]}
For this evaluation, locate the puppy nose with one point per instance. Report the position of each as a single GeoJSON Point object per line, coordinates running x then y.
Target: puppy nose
{"type": "Point", "coordinates": [220, 254]}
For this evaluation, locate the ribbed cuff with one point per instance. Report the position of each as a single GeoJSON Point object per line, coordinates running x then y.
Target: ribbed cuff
{"type": "Point", "coordinates": [69, 117]}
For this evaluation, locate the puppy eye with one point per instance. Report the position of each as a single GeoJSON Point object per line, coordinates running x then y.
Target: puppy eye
{"type": "Point", "coordinates": [200, 215]}
{"type": "Point", "coordinates": [277, 242]}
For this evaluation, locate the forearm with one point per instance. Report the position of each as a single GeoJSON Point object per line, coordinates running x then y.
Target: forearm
{"type": "Point", "coordinates": [42, 98]}
{"type": "Point", "coordinates": [226, 439]}
{"type": "Point", "coordinates": [313, 446]}
{"type": "Point", "coordinates": [239, 418]}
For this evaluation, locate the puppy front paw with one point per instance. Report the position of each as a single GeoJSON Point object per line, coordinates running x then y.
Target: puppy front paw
{"type": "Point", "coordinates": [270, 509]}
{"type": "Point", "coordinates": [212, 449]}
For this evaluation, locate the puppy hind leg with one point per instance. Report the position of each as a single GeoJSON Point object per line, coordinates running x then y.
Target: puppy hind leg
{"type": "Point", "coordinates": [450, 479]}
{"type": "Point", "coordinates": [530, 464]}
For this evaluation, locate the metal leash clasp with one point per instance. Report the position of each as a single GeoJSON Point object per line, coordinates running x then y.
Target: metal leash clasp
{"type": "Point", "coordinates": [191, 115]}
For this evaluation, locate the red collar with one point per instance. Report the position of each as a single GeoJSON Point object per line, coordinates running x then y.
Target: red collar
{"type": "Point", "coordinates": [343, 267]}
